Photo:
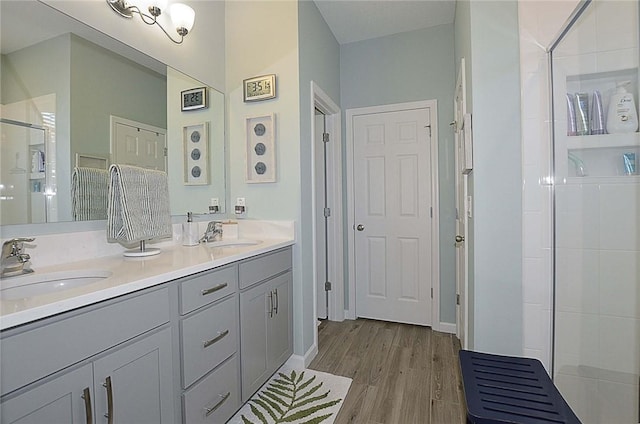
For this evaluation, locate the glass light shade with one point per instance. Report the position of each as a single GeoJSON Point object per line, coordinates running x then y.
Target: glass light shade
{"type": "Point", "coordinates": [182, 16]}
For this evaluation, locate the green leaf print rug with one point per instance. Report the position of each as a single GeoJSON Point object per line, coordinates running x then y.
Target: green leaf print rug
{"type": "Point", "coordinates": [295, 397]}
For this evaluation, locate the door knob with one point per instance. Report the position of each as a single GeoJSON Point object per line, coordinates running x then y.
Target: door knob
{"type": "Point", "coordinates": [360, 227]}
{"type": "Point", "coordinates": [459, 239]}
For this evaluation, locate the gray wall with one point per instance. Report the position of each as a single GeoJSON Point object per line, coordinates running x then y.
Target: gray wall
{"type": "Point", "coordinates": [497, 175]}
{"type": "Point", "coordinates": [319, 61]}
{"type": "Point", "coordinates": [411, 66]}
{"type": "Point", "coordinates": [124, 89]}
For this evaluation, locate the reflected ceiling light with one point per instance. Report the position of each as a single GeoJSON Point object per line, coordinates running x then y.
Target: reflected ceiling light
{"type": "Point", "coordinates": [182, 16]}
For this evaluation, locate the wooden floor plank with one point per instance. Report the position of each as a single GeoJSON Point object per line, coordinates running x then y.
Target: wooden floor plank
{"type": "Point", "coordinates": [402, 374]}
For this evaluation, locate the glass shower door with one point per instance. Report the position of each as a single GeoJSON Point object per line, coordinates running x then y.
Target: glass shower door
{"type": "Point", "coordinates": [597, 215]}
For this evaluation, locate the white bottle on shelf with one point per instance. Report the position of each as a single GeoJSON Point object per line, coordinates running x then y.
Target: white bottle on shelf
{"type": "Point", "coordinates": [622, 117]}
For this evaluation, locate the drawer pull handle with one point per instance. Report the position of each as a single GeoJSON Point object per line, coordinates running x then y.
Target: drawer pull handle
{"type": "Point", "coordinates": [214, 289]}
{"type": "Point", "coordinates": [210, 411]}
{"type": "Point", "coordinates": [208, 343]}
{"type": "Point", "coordinates": [86, 395]}
{"type": "Point", "coordinates": [109, 387]}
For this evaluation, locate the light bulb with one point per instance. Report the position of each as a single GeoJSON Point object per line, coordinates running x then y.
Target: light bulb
{"type": "Point", "coordinates": [182, 17]}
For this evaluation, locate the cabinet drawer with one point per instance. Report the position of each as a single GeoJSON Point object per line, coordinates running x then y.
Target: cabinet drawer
{"type": "Point", "coordinates": [216, 395]}
{"type": "Point", "coordinates": [208, 338]}
{"type": "Point", "coordinates": [58, 343]}
{"type": "Point", "coordinates": [263, 267]}
{"type": "Point", "coordinates": [204, 288]}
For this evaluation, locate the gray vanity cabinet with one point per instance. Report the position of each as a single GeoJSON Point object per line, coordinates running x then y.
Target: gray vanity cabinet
{"type": "Point", "coordinates": [60, 400]}
{"type": "Point", "coordinates": [105, 359]}
{"type": "Point", "coordinates": [130, 384]}
{"type": "Point", "coordinates": [266, 330]}
{"type": "Point", "coordinates": [208, 323]}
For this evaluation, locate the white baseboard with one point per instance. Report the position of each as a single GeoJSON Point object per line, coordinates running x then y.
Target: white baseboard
{"type": "Point", "coordinates": [446, 327]}
{"type": "Point", "coordinates": [348, 314]}
{"type": "Point", "coordinates": [302, 362]}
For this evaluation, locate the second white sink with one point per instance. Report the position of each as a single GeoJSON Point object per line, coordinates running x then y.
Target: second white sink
{"type": "Point", "coordinates": [35, 284]}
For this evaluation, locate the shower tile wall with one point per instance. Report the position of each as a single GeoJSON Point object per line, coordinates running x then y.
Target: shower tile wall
{"type": "Point", "coordinates": [597, 225]}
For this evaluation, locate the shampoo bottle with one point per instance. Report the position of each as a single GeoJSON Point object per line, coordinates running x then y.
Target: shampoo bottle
{"type": "Point", "coordinates": [622, 116]}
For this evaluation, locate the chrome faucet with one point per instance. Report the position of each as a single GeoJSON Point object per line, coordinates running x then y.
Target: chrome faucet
{"type": "Point", "coordinates": [14, 260]}
{"type": "Point", "coordinates": [213, 232]}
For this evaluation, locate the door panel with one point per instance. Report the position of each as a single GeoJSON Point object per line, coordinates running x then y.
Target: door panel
{"type": "Point", "coordinates": [139, 147]}
{"type": "Point", "coordinates": [462, 208]}
{"type": "Point", "coordinates": [141, 381]}
{"type": "Point", "coordinates": [57, 401]}
{"type": "Point", "coordinates": [392, 186]}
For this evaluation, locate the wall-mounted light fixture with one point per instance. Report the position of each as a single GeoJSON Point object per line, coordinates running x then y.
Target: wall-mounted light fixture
{"type": "Point", "coordinates": [182, 16]}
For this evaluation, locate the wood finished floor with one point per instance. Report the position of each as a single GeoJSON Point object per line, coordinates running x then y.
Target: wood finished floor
{"type": "Point", "coordinates": [402, 374]}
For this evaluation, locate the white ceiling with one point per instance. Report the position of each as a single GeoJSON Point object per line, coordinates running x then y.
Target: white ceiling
{"type": "Point", "coordinates": [357, 20]}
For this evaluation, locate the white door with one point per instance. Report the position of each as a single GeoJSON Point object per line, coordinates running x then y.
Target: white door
{"type": "Point", "coordinates": [134, 145]}
{"type": "Point", "coordinates": [392, 199]}
{"type": "Point", "coordinates": [462, 208]}
{"type": "Point", "coordinates": [320, 170]}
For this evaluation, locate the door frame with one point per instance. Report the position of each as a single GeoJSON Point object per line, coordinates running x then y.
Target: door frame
{"type": "Point", "coordinates": [333, 126]}
{"type": "Point", "coordinates": [351, 312]}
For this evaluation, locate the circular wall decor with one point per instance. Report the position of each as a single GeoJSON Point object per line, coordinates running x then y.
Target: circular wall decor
{"type": "Point", "coordinates": [260, 149]}
{"type": "Point", "coordinates": [261, 168]}
{"type": "Point", "coordinates": [195, 136]}
{"type": "Point", "coordinates": [259, 129]}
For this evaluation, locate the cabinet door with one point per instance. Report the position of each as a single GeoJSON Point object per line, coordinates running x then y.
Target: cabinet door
{"type": "Point", "coordinates": [254, 316]}
{"type": "Point", "coordinates": [280, 331]}
{"type": "Point", "coordinates": [134, 384]}
{"type": "Point", "coordinates": [56, 401]}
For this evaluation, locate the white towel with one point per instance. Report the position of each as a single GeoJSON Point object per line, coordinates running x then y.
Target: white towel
{"type": "Point", "coordinates": [89, 193]}
{"type": "Point", "coordinates": [138, 205]}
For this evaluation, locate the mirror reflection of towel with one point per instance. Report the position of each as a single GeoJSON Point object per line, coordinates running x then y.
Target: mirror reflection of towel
{"type": "Point", "coordinates": [138, 207]}
{"type": "Point", "coordinates": [89, 193]}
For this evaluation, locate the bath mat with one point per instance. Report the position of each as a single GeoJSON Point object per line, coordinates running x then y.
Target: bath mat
{"type": "Point", "coordinates": [296, 397]}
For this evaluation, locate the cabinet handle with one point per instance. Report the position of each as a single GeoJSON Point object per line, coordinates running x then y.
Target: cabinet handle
{"type": "Point", "coordinates": [277, 301]}
{"type": "Point", "coordinates": [210, 411]}
{"type": "Point", "coordinates": [86, 395]}
{"type": "Point", "coordinates": [214, 289]}
{"type": "Point", "coordinates": [270, 304]}
{"type": "Point", "coordinates": [109, 387]}
{"type": "Point", "coordinates": [208, 343]}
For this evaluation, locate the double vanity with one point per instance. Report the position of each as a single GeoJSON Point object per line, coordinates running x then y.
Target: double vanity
{"type": "Point", "coordinates": [186, 336]}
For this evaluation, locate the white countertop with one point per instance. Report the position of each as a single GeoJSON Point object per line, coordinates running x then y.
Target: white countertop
{"type": "Point", "coordinates": [127, 275]}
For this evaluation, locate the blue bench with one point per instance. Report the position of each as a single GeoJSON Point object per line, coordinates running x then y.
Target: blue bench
{"type": "Point", "coordinates": [508, 389]}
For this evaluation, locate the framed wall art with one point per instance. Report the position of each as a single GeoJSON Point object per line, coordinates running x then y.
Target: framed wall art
{"type": "Point", "coordinates": [196, 154]}
{"type": "Point", "coordinates": [261, 149]}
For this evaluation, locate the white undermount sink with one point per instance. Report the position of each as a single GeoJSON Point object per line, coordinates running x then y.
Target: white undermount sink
{"type": "Point", "coordinates": [233, 243]}
{"type": "Point", "coordinates": [28, 285]}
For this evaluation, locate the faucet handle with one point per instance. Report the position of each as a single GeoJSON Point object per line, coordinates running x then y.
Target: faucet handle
{"type": "Point", "coordinates": [14, 246]}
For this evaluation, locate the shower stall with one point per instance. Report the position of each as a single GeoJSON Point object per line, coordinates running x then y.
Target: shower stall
{"type": "Point", "coordinates": [596, 211]}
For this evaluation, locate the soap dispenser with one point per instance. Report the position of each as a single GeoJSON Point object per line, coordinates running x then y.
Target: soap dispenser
{"type": "Point", "coordinates": [623, 116]}
{"type": "Point", "coordinates": [190, 236]}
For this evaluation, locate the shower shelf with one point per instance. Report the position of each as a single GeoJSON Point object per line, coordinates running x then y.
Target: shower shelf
{"type": "Point", "coordinates": [604, 141]}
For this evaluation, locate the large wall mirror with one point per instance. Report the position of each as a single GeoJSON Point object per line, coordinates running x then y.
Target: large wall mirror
{"type": "Point", "coordinates": [73, 99]}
